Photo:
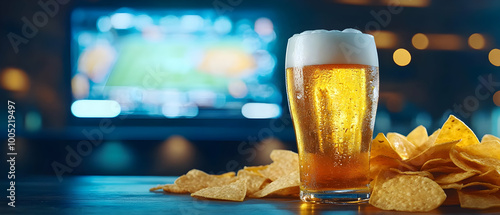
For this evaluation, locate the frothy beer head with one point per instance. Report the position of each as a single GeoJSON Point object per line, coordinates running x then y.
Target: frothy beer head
{"type": "Point", "coordinates": [318, 47]}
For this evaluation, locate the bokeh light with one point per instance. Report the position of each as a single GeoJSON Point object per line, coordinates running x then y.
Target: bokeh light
{"type": "Point", "coordinates": [450, 42]}
{"type": "Point", "coordinates": [97, 61]}
{"type": "Point", "coordinates": [494, 57]}
{"type": "Point", "coordinates": [477, 41]}
{"type": "Point", "coordinates": [420, 41]}
{"type": "Point", "coordinates": [232, 62]}
{"type": "Point", "coordinates": [496, 98]}
{"type": "Point", "coordinates": [14, 79]}
{"type": "Point", "coordinates": [191, 23]}
{"type": "Point", "coordinates": [104, 24]}
{"type": "Point", "coordinates": [264, 26]}
{"type": "Point", "coordinates": [113, 157]}
{"type": "Point", "coordinates": [385, 39]}
{"type": "Point", "coordinates": [80, 86]}
{"type": "Point", "coordinates": [122, 20]}
{"type": "Point", "coordinates": [401, 57]}
{"type": "Point", "coordinates": [176, 152]}
{"type": "Point", "coordinates": [33, 121]}
{"type": "Point", "coordinates": [238, 89]}
{"type": "Point", "coordinates": [223, 25]}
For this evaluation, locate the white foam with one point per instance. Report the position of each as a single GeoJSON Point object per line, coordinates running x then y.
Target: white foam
{"type": "Point", "coordinates": [317, 47]}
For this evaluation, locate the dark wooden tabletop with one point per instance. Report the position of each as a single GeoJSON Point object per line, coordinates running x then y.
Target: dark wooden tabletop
{"type": "Point", "coordinates": [130, 195]}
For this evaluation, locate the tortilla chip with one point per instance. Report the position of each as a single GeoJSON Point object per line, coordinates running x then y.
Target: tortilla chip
{"type": "Point", "coordinates": [284, 186]}
{"type": "Point", "coordinates": [420, 173]}
{"type": "Point", "coordinates": [437, 162]}
{"type": "Point", "coordinates": [453, 130]}
{"type": "Point", "coordinates": [173, 188]}
{"type": "Point", "coordinates": [381, 146]}
{"type": "Point", "coordinates": [381, 163]}
{"type": "Point", "coordinates": [401, 145]}
{"type": "Point", "coordinates": [478, 200]}
{"type": "Point", "coordinates": [453, 177]}
{"type": "Point", "coordinates": [411, 193]}
{"type": "Point", "coordinates": [254, 180]}
{"type": "Point", "coordinates": [489, 137]}
{"type": "Point", "coordinates": [158, 187]}
{"type": "Point", "coordinates": [196, 180]}
{"type": "Point", "coordinates": [492, 177]}
{"type": "Point", "coordinates": [465, 162]}
{"type": "Point", "coordinates": [456, 186]}
{"type": "Point", "coordinates": [444, 169]}
{"type": "Point", "coordinates": [418, 136]}
{"type": "Point", "coordinates": [486, 154]}
{"type": "Point", "coordinates": [235, 191]}
{"type": "Point", "coordinates": [436, 151]}
{"type": "Point", "coordinates": [284, 163]}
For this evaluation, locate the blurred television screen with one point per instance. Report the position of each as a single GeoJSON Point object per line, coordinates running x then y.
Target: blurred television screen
{"type": "Point", "coordinates": [173, 63]}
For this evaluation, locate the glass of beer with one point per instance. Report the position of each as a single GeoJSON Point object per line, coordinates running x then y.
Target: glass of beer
{"type": "Point", "coordinates": [332, 81]}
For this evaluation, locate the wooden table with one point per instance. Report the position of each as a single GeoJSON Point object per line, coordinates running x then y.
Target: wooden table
{"type": "Point", "coordinates": [129, 195]}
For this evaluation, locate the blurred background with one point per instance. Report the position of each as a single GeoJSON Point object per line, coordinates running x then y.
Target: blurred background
{"type": "Point", "coordinates": [160, 87]}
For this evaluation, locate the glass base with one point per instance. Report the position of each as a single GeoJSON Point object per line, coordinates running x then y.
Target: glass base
{"type": "Point", "coordinates": [342, 197]}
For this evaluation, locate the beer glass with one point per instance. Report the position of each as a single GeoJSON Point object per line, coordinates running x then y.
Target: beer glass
{"type": "Point", "coordinates": [332, 87]}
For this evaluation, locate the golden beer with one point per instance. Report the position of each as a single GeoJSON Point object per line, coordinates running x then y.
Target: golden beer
{"type": "Point", "coordinates": [333, 110]}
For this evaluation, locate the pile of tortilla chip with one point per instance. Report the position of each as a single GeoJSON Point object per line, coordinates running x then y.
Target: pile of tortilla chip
{"type": "Point", "coordinates": [278, 179]}
{"type": "Point", "coordinates": [420, 172]}
{"type": "Point", "coordinates": [410, 173]}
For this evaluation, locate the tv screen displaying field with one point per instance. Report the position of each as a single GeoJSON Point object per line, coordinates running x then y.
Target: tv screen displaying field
{"type": "Point", "coordinates": [173, 63]}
